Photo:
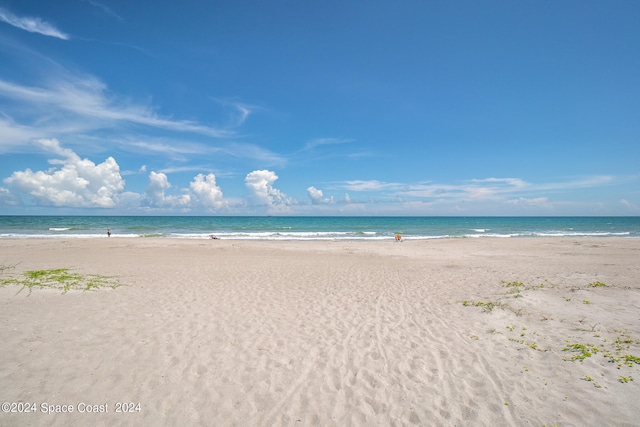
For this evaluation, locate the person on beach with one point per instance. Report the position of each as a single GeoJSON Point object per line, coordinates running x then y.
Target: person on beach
{"type": "Point", "coordinates": [214, 237]}
{"type": "Point", "coordinates": [398, 237]}
{"type": "Point", "coordinates": [108, 232]}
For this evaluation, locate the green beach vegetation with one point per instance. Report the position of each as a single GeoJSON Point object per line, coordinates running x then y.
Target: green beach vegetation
{"type": "Point", "coordinates": [615, 351]}
{"type": "Point", "coordinates": [58, 278]}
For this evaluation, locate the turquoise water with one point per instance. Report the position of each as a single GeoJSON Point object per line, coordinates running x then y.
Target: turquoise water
{"type": "Point", "coordinates": [314, 228]}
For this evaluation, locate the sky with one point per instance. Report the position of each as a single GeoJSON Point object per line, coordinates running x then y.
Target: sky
{"type": "Point", "coordinates": [289, 107]}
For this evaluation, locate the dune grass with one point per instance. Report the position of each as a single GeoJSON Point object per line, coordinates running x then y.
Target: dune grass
{"type": "Point", "coordinates": [58, 278]}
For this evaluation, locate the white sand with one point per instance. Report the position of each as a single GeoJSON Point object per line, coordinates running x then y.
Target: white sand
{"type": "Point", "coordinates": [325, 333]}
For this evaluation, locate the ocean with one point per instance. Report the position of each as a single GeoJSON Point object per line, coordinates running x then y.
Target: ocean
{"type": "Point", "coordinates": [314, 228]}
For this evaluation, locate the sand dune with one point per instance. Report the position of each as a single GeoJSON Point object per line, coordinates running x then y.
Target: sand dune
{"type": "Point", "coordinates": [448, 332]}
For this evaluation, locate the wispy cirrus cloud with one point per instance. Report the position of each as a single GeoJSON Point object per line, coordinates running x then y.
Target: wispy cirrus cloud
{"type": "Point", "coordinates": [326, 141]}
{"type": "Point", "coordinates": [535, 202]}
{"type": "Point", "coordinates": [32, 24]}
{"type": "Point", "coordinates": [578, 183]}
{"type": "Point", "coordinates": [253, 151]}
{"type": "Point", "coordinates": [175, 150]}
{"type": "Point", "coordinates": [503, 188]}
{"type": "Point", "coordinates": [183, 150]}
{"type": "Point", "coordinates": [241, 110]}
{"type": "Point", "coordinates": [83, 108]}
{"type": "Point", "coordinates": [509, 182]}
{"type": "Point", "coordinates": [517, 190]}
{"type": "Point", "coordinates": [486, 196]}
{"type": "Point", "coordinates": [89, 98]}
{"type": "Point", "coordinates": [13, 134]}
{"type": "Point", "coordinates": [105, 9]}
{"type": "Point", "coordinates": [369, 185]}
{"type": "Point", "coordinates": [487, 188]}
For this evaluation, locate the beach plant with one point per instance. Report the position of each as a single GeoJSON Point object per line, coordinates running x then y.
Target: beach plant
{"type": "Point", "coordinates": [623, 341]}
{"type": "Point", "coordinates": [513, 284]}
{"type": "Point", "coordinates": [531, 344]}
{"type": "Point", "coordinates": [618, 351]}
{"type": "Point", "coordinates": [598, 285]}
{"type": "Point", "coordinates": [612, 358]}
{"type": "Point", "coordinates": [60, 278]}
{"type": "Point", "coordinates": [517, 285]}
{"type": "Point", "coordinates": [590, 379]}
{"type": "Point", "coordinates": [618, 354]}
{"type": "Point", "coordinates": [580, 351]}
{"type": "Point", "coordinates": [487, 306]}
{"type": "Point", "coordinates": [629, 360]}
{"type": "Point", "coordinates": [546, 284]}
{"type": "Point", "coordinates": [514, 288]}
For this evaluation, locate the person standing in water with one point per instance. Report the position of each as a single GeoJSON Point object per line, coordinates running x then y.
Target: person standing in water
{"type": "Point", "coordinates": [108, 232]}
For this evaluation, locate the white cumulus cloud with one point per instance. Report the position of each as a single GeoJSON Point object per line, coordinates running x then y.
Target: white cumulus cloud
{"type": "Point", "coordinates": [206, 191]}
{"type": "Point", "coordinates": [75, 183]}
{"type": "Point", "coordinates": [158, 184]}
{"type": "Point", "coordinates": [156, 197]}
{"type": "Point", "coordinates": [260, 183]}
{"type": "Point", "coordinates": [317, 196]}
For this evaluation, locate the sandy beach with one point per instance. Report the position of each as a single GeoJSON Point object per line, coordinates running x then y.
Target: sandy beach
{"type": "Point", "coordinates": [452, 332]}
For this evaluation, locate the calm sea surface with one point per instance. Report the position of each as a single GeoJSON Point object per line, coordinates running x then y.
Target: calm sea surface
{"type": "Point", "coordinates": [313, 228]}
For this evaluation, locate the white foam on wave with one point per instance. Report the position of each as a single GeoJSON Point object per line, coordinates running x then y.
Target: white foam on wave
{"type": "Point", "coordinates": [284, 235]}
{"type": "Point", "coordinates": [584, 234]}
{"type": "Point", "coordinates": [477, 236]}
{"type": "Point", "coordinates": [445, 236]}
{"type": "Point", "coordinates": [308, 235]}
{"type": "Point", "coordinates": [62, 236]}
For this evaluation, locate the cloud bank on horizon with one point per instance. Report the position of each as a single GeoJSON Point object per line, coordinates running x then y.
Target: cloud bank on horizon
{"type": "Point", "coordinates": [113, 108]}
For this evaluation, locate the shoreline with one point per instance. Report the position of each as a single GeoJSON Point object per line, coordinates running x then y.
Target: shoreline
{"type": "Point", "coordinates": [378, 239]}
{"type": "Point", "coordinates": [447, 331]}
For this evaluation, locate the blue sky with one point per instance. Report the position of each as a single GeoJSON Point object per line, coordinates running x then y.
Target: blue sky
{"type": "Point", "coordinates": [320, 108]}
